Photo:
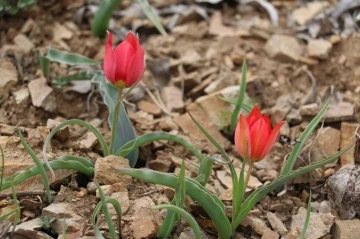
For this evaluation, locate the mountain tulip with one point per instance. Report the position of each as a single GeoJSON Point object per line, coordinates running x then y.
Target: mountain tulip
{"type": "Point", "coordinates": [124, 65]}
{"type": "Point", "coordinates": [253, 135]}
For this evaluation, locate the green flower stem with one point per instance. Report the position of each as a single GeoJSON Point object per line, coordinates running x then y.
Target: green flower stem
{"type": "Point", "coordinates": [248, 173]}
{"type": "Point", "coordinates": [114, 122]}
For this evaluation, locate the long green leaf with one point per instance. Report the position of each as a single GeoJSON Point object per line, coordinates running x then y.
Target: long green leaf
{"type": "Point", "coordinates": [3, 217]}
{"type": "Point", "coordinates": [105, 209]}
{"type": "Point", "coordinates": [67, 58]}
{"type": "Point", "coordinates": [178, 201]}
{"type": "Point", "coordinates": [301, 142]}
{"type": "Point", "coordinates": [2, 166]}
{"type": "Point", "coordinates": [151, 137]}
{"type": "Point", "coordinates": [102, 17]}
{"type": "Point", "coordinates": [39, 165]}
{"type": "Point", "coordinates": [211, 203]}
{"type": "Point", "coordinates": [183, 214]}
{"type": "Point", "coordinates": [64, 80]}
{"type": "Point", "coordinates": [261, 192]}
{"type": "Point", "coordinates": [307, 219]}
{"type": "Point", "coordinates": [97, 211]}
{"type": "Point", "coordinates": [65, 162]}
{"type": "Point", "coordinates": [205, 170]}
{"type": "Point", "coordinates": [211, 139]}
{"type": "Point", "coordinates": [44, 65]}
{"type": "Point", "coordinates": [246, 107]}
{"type": "Point", "coordinates": [149, 12]}
{"type": "Point", "coordinates": [240, 100]}
{"type": "Point", "coordinates": [125, 131]}
{"type": "Point", "coordinates": [72, 122]}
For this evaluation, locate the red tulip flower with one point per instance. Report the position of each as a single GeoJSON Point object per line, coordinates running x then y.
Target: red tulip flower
{"type": "Point", "coordinates": [124, 65]}
{"type": "Point", "coordinates": [254, 136]}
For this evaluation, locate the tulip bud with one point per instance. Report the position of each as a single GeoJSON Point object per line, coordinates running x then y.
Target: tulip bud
{"type": "Point", "coordinates": [124, 65]}
{"type": "Point", "coordinates": [254, 137]}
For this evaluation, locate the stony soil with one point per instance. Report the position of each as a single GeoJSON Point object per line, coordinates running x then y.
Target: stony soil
{"type": "Point", "coordinates": [292, 69]}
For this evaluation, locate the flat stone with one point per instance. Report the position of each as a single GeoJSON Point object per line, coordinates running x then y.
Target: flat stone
{"type": "Point", "coordinates": [342, 111]}
{"type": "Point", "coordinates": [319, 224]}
{"type": "Point", "coordinates": [319, 48]}
{"type": "Point", "coordinates": [64, 213]}
{"type": "Point", "coordinates": [346, 229]}
{"type": "Point", "coordinates": [188, 126]}
{"type": "Point", "coordinates": [173, 98]}
{"type": "Point", "coordinates": [347, 131]}
{"type": "Point", "coordinates": [283, 48]}
{"type": "Point", "coordinates": [24, 43]}
{"type": "Point", "coordinates": [22, 96]}
{"type": "Point", "coordinates": [28, 26]}
{"type": "Point", "coordinates": [63, 134]}
{"type": "Point", "coordinates": [270, 235]}
{"type": "Point", "coordinates": [123, 199]}
{"type": "Point", "coordinates": [88, 141]}
{"type": "Point", "coordinates": [105, 172]}
{"type": "Point", "coordinates": [144, 227]}
{"type": "Point", "coordinates": [162, 163]}
{"type": "Point", "coordinates": [149, 107]}
{"type": "Point", "coordinates": [304, 14]}
{"type": "Point", "coordinates": [327, 144]}
{"type": "Point", "coordinates": [257, 224]}
{"type": "Point", "coordinates": [8, 73]}
{"type": "Point", "coordinates": [276, 224]}
{"type": "Point", "coordinates": [107, 190]}
{"type": "Point", "coordinates": [281, 109]}
{"type": "Point", "coordinates": [42, 95]}
{"type": "Point", "coordinates": [60, 32]}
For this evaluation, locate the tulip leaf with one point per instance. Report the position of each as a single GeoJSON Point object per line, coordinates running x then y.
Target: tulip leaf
{"type": "Point", "coordinates": [246, 107]}
{"type": "Point", "coordinates": [67, 58]}
{"type": "Point", "coordinates": [261, 192]}
{"type": "Point", "coordinates": [240, 100]}
{"type": "Point", "coordinates": [132, 145]}
{"type": "Point", "coordinates": [178, 201]}
{"type": "Point", "coordinates": [78, 164]}
{"type": "Point", "coordinates": [64, 80]}
{"type": "Point", "coordinates": [211, 203]}
{"type": "Point", "coordinates": [301, 142]}
{"type": "Point", "coordinates": [97, 211]}
{"type": "Point", "coordinates": [106, 212]}
{"type": "Point", "coordinates": [44, 64]}
{"type": "Point", "coordinates": [38, 163]}
{"type": "Point", "coordinates": [124, 130]}
{"type": "Point", "coordinates": [307, 218]}
{"type": "Point", "coordinates": [149, 12]}
{"type": "Point", "coordinates": [211, 139]}
{"type": "Point", "coordinates": [190, 219]}
{"type": "Point", "coordinates": [102, 17]}
{"type": "Point", "coordinates": [205, 170]}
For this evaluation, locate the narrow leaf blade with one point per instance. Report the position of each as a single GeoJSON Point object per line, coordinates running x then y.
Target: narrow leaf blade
{"type": "Point", "coordinates": [64, 57]}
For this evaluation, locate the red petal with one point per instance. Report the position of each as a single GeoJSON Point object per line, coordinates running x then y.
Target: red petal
{"type": "Point", "coordinates": [272, 138]}
{"type": "Point", "coordinates": [242, 137]}
{"type": "Point", "coordinates": [254, 116]}
{"type": "Point", "coordinates": [135, 68]}
{"type": "Point", "coordinates": [267, 121]}
{"type": "Point", "coordinates": [109, 60]}
{"type": "Point", "coordinates": [259, 137]}
{"type": "Point", "coordinates": [124, 52]}
{"type": "Point", "coordinates": [134, 41]}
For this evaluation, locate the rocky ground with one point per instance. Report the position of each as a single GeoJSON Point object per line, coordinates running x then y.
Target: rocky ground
{"type": "Point", "coordinates": [298, 54]}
